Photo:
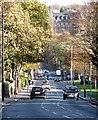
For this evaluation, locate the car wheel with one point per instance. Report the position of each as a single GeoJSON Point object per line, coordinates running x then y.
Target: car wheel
{"type": "Point", "coordinates": [77, 98]}
{"type": "Point", "coordinates": [43, 97]}
{"type": "Point", "coordinates": [64, 97]}
{"type": "Point", "coordinates": [31, 97]}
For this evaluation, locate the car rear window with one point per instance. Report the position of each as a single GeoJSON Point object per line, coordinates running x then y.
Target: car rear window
{"type": "Point", "coordinates": [37, 89]}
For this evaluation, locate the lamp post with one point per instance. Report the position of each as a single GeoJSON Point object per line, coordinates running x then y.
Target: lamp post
{"type": "Point", "coordinates": [84, 75]}
{"type": "Point", "coordinates": [90, 76]}
{"type": "Point", "coordinates": [2, 52]}
{"type": "Point", "coordinates": [90, 79]}
{"type": "Point", "coordinates": [71, 70]}
{"type": "Point", "coordinates": [84, 61]}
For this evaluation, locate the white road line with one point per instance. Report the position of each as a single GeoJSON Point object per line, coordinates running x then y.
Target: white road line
{"type": "Point", "coordinates": [49, 103]}
{"type": "Point", "coordinates": [62, 107]}
{"type": "Point", "coordinates": [47, 109]}
{"type": "Point", "coordinates": [66, 116]}
{"type": "Point", "coordinates": [69, 110]}
{"type": "Point", "coordinates": [42, 105]}
{"type": "Point", "coordinates": [1, 110]}
{"type": "Point", "coordinates": [58, 104]}
{"type": "Point", "coordinates": [1, 113]}
{"type": "Point", "coordinates": [54, 112]}
{"type": "Point", "coordinates": [71, 104]}
{"type": "Point", "coordinates": [80, 114]}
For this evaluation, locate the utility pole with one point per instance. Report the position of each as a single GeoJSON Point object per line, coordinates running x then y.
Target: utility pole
{"type": "Point", "coordinates": [90, 78]}
{"type": "Point", "coordinates": [71, 70]}
{"type": "Point", "coordinates": [2, 52]}
{"type": "Point", "coordinates": [84, 75]}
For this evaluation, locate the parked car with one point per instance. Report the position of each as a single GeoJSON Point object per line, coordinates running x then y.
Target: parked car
{"type": "Point", "coordinates": [71, 91]}
{"type": "Point", "coordinates": [37, 92]}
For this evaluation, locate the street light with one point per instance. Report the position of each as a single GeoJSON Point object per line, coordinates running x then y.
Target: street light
{"type": "Point", "coordinates": [71, 70]}
{"type": "Point", "coordinates": [2, 51]}
{"type": "Point", "coordinates": [84, 61]}
{"type": "Point", "coordinates": [90, 76]}
{"type": "Point", "coordinates": [90, 79]}
{"type": "Point", "coordinates": [84, 74]}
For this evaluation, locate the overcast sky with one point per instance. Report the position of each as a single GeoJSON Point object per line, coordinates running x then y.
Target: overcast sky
{"type": "Point", "coordinates": [63, 2]}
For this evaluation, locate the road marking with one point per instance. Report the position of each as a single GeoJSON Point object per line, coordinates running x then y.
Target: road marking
{"type": "Point", "coordinates": [93, 106]}
{"type": "Point", "coordinates": [1, 113]}
{"type": "Point", "coordinates": [80, 114]}
{"type": "Point", "coordinates": [0, 110]}
{"type": "Point", "coordinates": [56, 90]}
{"type": "Point", "coordinates": [33, 103]}
{"type": "Point", "coordinates": [47, 109]}
{"type": "Point", "coordinates": [62, 107]}
{"type": "Point", "coordinates": [54, 112]}
{"type": "Point", "coordinates": [69, 110]}
{"type": "Point", "coordinates": [42, 107]}
{"type": "Point", "coordinates": [66, 116]}
{"type": "Point", "coordinates": [58, 104]}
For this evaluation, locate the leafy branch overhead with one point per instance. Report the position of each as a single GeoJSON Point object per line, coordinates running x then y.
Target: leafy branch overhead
{"type": "Point", "coordinates": [27, 31]}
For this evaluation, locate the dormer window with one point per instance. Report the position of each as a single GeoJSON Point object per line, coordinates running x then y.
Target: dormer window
{"type": "Point", "coordinates": [56, 17]}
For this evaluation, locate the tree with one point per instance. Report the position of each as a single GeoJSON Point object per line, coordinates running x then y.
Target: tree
{"type": "Point", "coordinates": [62, 9]}
{"type": "Point", "coordinates": [40, 20]}
{"type": "Point", "coordinates": [24, 40]}
{"type": "Point", "coordinates": [58, 50]}
{"type": "Point", "coordinates": [89, 30]}
{"type": "Point", "coordinates": [90, 16]}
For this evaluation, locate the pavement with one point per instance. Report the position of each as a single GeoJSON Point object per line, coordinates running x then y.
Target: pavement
{"type": "Point", "coordinates": [89, 99]}
{"type": "Point", "coordinates": [25, 94]}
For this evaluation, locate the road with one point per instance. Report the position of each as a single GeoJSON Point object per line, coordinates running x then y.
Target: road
{"type": "Point", "coordinates": [52, 107]}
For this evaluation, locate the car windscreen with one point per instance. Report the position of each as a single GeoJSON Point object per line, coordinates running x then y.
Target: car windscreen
{"type": "Point", "coordinates": [73, 89]}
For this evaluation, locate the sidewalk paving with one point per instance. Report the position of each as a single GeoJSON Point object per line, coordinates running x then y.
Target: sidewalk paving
{"type": "Point", "coordinates": [23, 94]}
{"type": "Point", "coordinates": [87, 98]}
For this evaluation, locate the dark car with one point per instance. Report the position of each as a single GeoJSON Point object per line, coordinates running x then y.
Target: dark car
{"type": "Point", "coordinates": [37, 92]}
{"type": "Point", "coordinates": [71, 91]}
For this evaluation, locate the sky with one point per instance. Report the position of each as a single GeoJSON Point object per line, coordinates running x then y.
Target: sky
{"type": "Point", "coordinates": [63, 2]}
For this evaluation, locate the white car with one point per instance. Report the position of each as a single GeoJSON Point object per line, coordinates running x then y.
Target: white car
{"type": "Point", "coordinates": [71, 91]}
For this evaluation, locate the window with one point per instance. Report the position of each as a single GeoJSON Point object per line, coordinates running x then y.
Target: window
{"type": "Point", "coordinates": [56, 17]}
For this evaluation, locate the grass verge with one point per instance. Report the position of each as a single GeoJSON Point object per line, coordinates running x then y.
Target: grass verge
{"type": "Point", "coordinates": [90, 92]}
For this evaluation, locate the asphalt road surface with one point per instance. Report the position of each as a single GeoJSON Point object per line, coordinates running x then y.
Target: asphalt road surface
{"type": "Point", "coordinates": [52, 107]}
